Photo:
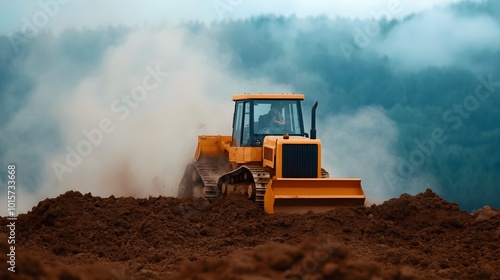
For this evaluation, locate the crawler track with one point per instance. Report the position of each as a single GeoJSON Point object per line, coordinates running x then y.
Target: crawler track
{"type": "Point", "coordinates": [213, 177]}
{"type": "Point", "coordinates": [200, 178]}
{"type": "Point", "coordinates": [248, 179]}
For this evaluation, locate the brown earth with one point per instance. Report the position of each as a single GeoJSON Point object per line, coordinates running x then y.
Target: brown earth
{"type": "Point", "coordinates": [77, 236]}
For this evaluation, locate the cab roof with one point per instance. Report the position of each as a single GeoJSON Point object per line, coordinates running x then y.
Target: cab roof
{"type": "Point", "coordinates": [285, 96]}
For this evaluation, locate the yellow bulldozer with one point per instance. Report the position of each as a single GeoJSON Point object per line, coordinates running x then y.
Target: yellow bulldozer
{"type": "Point", "coordinates": [270, 159]}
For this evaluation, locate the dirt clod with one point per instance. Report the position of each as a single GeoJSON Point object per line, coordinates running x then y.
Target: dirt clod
{"type": "Point", "coordinates": [485, 214]}
{"type": "Point", "coordinates": [80, 236]}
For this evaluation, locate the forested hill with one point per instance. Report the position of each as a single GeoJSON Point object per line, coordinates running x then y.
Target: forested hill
{"type": "Point", "coordinates": [416, 99]}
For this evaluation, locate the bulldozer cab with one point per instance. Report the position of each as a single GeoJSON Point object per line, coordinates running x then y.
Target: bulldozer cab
{"type": "Point", "coordinates": [256, 118]}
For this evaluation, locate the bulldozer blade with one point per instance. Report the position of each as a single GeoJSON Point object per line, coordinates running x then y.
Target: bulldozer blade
{"type": "Point", "coordinates": [293, 195]}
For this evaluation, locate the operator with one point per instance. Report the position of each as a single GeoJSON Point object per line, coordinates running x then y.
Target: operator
{"type": "Point", "coordinates": [273, 121]}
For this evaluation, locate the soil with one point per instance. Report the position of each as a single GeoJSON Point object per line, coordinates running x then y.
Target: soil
{"type": "Point", "coordinates": [76, 236]}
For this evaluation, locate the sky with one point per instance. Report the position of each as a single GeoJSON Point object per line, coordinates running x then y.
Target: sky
{"type": "Point", "coordinates": [63, 14]}
{"type": "Point", "coordinates": [109, 98]}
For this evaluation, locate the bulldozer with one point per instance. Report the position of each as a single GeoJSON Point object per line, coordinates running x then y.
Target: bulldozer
{"type": "Point", "coordinates": [270, 159]}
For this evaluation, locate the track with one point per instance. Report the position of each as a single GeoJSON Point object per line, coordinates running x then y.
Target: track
{"type": "Point", "coordinates": [212, 177]}
{"type": "Point", "coordinates": [250, 180]}
{"type": "Point", "coordinates": [208, 171]}
{"type": "Point", "coordinates": [200, 178]}
{"type": "Point", "coordinates": [324, 173]}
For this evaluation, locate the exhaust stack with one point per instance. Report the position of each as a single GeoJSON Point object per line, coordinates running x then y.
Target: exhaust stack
{"type": "Point", "coordinates": [313, 120]}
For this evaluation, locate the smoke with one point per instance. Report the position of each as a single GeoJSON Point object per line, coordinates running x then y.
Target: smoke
{"type": "Point", "coordinates": [362, 145]}
{"type": "Point", "coordinates": [129, 126]}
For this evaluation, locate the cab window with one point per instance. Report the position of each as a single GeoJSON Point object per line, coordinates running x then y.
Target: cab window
{"type": "Point", "coordinates": [276, 117]}
{"type": "Point", "coordinates": [237, 121]}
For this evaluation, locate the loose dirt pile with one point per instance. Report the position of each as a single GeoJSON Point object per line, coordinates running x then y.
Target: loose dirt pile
{"type": "Point", "coordinates": [77, 236]}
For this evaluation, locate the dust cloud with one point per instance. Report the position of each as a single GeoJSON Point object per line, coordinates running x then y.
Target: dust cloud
{"type": "Point", "coordinates": [362, 144]}
{"type": "Point", "coordinates": [130, 126]}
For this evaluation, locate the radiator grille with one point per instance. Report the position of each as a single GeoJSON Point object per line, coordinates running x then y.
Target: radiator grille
{"type": "Point", "coordinates": [300, 161]}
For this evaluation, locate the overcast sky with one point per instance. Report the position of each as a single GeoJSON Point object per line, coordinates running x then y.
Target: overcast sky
{"type": "Point", "coordinates": [58, 15]}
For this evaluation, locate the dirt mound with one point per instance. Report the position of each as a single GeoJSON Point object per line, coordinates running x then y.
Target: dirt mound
{"type": "Point", "coordinates": [313, 259]}
{"type": "Point", "coordinates": [157, 237]}
{"type": "Point", "coordinates": [28, 267]}
{"type": "Point", "coordinates": [433, 235]}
